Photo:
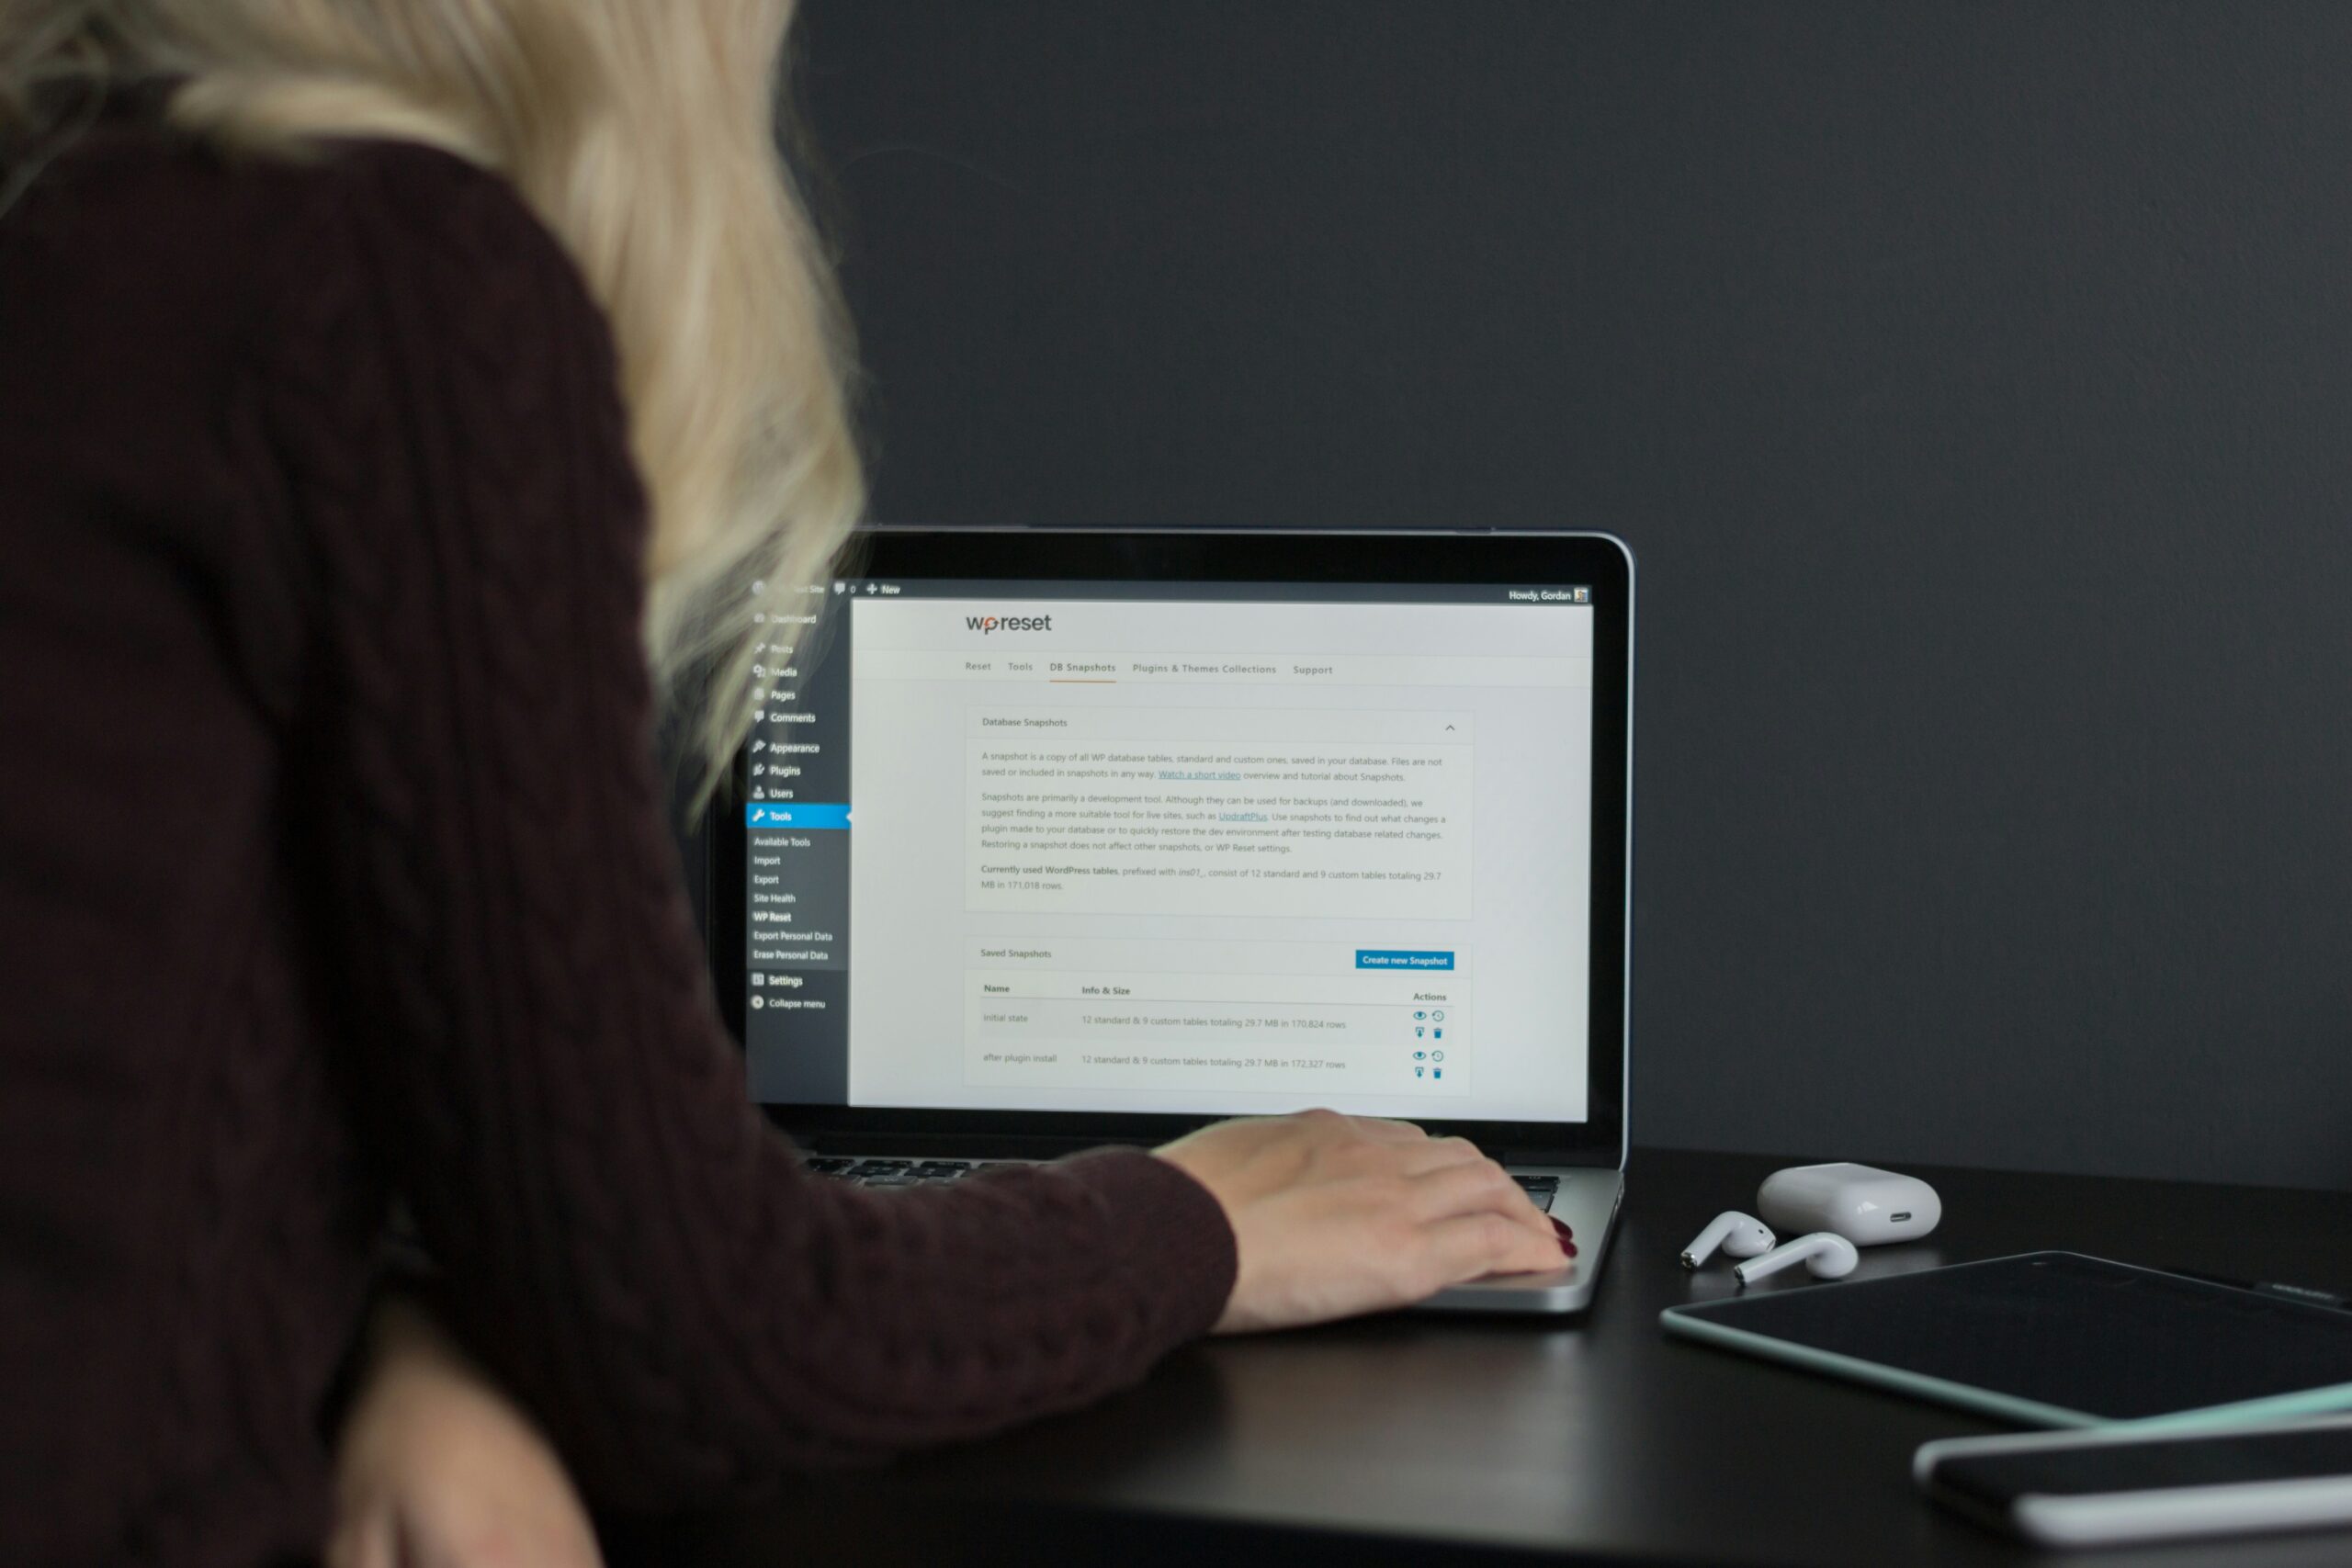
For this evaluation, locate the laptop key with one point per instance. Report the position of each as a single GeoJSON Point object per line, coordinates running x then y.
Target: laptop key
{"type": "Point", "coordinates": [830, 1165]}
{"type": "Point", "coordinates": [1537, 1183]}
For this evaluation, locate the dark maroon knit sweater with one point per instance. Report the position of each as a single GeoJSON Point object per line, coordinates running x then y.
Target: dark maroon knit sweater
{"type": "Point", "coordinates": [333, 866]}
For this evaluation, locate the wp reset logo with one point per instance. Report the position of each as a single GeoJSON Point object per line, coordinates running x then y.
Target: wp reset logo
{"type": "Point", "coordinates": [984, 625]}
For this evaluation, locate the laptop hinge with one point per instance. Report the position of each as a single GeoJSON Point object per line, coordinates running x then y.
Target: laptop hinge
{"type": "Point", "coordinates": [952, 1145]}
{"type": "Point", "coordinates": [1547, 1157]}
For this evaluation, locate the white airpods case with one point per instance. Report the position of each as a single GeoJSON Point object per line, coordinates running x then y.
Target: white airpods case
{"type": "Point", "coordinates": [1867, 1206]}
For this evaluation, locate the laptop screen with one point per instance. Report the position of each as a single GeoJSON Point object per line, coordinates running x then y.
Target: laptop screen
{"type": "Point", "coordinates": [1194, 849]}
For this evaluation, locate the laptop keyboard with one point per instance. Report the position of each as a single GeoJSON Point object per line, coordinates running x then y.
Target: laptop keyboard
{"type": "Point", "coordinates": [886, 1173]}
{"type": "Point", "coordinates": [898, 1172]}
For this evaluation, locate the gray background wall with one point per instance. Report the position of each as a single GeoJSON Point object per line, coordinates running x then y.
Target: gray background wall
{"type": "Point", "coordinates": [1973, 382]}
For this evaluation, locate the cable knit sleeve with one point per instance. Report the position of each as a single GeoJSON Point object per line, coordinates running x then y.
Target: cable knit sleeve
{"type": "Point", "coordinates": [534, 1049]}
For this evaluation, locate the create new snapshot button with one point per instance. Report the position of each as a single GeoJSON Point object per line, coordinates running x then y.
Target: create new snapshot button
{"type": "Point", "coordinates": [1401, 958]}
{"type": "Point", "coordinates": [801, 816]}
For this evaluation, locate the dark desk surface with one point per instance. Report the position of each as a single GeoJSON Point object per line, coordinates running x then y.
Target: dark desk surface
{"type": "Point", "coordinates": [1412, 1438]}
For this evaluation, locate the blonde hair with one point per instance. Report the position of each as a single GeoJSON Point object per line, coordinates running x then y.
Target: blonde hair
{"type": "Point", "coordinates": [643, 133]}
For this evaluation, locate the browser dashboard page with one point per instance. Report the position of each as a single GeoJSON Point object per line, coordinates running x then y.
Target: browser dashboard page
{"type": "Point", "coordinates": [1192, 849]}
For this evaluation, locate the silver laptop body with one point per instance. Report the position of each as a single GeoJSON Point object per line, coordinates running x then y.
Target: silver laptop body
{"type": "Point", "coordinates": [1041, 627]}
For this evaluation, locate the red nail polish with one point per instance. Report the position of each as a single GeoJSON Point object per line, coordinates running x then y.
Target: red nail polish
{"type": "Point", "coordinates": [1566, 1237]}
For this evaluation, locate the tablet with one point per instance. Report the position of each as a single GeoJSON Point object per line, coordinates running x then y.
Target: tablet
{"type": "Point", "coordinates": [2052, 1339]}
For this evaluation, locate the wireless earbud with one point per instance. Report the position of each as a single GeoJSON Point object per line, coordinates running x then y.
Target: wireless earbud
{"type": "Point", "coordinates": [1736, 1233]}
{"type": "Point", "coordinates": [1824, 1254]}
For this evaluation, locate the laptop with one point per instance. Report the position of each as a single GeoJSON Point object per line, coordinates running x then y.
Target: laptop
{"type": "Point", "coordinates": [1046, 839]}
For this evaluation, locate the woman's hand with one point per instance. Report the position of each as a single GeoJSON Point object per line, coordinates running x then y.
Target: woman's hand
{"type": "Point", "coordinates": [1334, 1215]}
{"type": "Point", "coordinates": [437, 1469]}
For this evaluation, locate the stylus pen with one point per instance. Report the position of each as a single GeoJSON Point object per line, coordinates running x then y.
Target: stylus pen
{"type": "Point", "coordinates": [2269, 1287]}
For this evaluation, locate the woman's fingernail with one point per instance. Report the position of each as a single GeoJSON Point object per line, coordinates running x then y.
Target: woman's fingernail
{"type": "Point", "coordinates": [1567, 1238]}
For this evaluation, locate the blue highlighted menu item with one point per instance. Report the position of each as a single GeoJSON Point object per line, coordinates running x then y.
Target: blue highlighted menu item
{"type": "Point", "coordinates": [1402, 958]}
{"type": "Point", "coordinates": [788, 813]}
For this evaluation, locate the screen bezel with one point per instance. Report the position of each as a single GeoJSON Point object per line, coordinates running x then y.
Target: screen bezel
{"type": "Point", "coordinates": [1309, 557]}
